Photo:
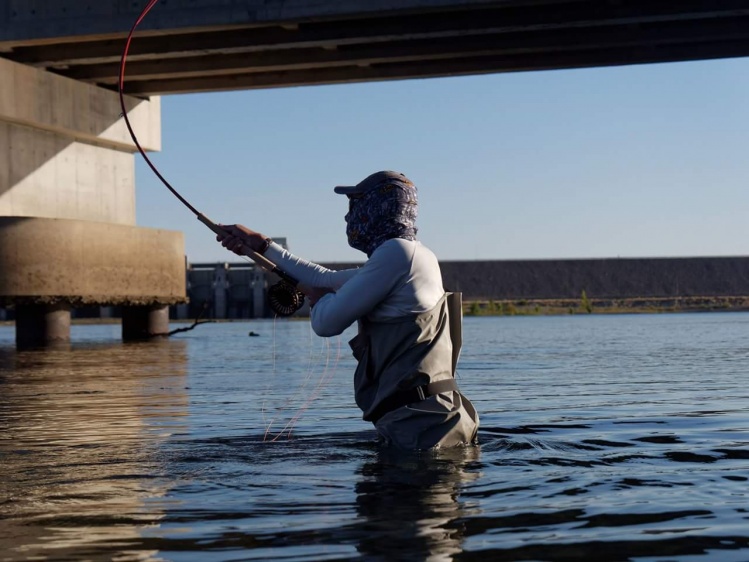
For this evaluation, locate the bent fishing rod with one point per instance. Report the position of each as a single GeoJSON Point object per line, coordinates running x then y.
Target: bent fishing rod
{"type": "Point", "coordinates": [284, 297]}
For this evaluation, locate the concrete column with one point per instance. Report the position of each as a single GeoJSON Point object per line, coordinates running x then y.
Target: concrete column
{"type": "Point", "coordinates": [259, 285]}
{"type": "Point", "coordinates": [64, 149]}
{"type": "Point", "coordinates": [220, 289]}
{"type": "Point", "coordinates": [144, 322]}
{"type": "Point", "coordinates": [39, 324]}
{"type": "Point", "coordinates": [182, 310]}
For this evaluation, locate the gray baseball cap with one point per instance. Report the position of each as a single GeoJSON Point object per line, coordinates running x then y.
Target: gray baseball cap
{"type": "Point", "coordinates": [371, 182]}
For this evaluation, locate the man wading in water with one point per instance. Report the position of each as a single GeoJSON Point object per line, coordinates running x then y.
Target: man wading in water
{"type": "Point", "coordinates": [405, 379]}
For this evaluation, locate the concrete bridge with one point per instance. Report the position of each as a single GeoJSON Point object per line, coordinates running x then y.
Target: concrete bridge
{"type": "Point", "coordinates": [208, 45]}
{"type": "Point", "coordinates": [68, 233]}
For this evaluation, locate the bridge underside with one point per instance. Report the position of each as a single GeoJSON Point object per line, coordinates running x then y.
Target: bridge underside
{"type": "Point", "coordinates": [252, 44]}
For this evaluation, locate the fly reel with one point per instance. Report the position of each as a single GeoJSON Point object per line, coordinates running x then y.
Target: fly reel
{"type": "Point", "coordinates": [285, 299]}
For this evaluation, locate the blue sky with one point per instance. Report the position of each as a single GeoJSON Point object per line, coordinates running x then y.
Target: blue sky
{"type": "Point", "coordinates": [634, 161]}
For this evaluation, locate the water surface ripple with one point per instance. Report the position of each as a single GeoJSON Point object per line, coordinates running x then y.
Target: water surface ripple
{"type": "Point", "coordinates": [607, 438]}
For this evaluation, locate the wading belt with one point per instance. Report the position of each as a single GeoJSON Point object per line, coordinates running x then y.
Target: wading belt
{"type": "Point", "coordinates": [411, 396]}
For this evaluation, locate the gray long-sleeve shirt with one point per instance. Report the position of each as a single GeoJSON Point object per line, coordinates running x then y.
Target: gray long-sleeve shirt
{"type": "Point", "coordinates": [400, 278]}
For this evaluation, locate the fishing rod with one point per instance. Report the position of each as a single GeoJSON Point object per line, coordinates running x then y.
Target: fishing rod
{"type": "Point", "coordinates": [284, 297]}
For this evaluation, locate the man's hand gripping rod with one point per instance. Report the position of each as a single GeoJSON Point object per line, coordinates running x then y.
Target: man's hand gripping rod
{"type": "Point", "coordinates": [259, 259]}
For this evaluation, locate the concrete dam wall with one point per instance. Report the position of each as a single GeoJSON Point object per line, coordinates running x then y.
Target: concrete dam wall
{"type": "Point", "coordinates": [611, 278]}
{"type": "Point", "coordinates": [605, 278]}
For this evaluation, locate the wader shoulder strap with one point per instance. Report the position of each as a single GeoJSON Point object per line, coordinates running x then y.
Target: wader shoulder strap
{"type": "Point", "coordinates": [455, 311]}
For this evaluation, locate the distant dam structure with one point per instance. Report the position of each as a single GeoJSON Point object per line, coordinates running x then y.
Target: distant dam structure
{"type": "Point", "coordinates": [239, 290]}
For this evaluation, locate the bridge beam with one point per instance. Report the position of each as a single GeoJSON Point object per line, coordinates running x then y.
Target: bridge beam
{"type": "Point", "coordinates": [188, 46]}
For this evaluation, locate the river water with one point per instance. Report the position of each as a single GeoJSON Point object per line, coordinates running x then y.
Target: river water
{"type": "Point", "coordinates": [602, 438]}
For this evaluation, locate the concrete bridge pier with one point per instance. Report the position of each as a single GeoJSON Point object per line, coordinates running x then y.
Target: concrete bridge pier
{"type": "Point", "coordinates": [42, 324]}
{"type": "Point", "coordinates": [67, 209]}
{"type": "Point", "coordinates": [144, 322]}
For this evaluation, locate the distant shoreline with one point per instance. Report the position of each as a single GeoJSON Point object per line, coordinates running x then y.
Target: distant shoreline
{"type": "Point", "coordinates": [552, 307]}
{"type": "Point", "coordinates": [534, 307]}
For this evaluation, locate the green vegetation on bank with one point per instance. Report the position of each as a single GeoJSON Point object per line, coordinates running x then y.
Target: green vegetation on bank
{"type": "Point", "coordinates": [587, 305]}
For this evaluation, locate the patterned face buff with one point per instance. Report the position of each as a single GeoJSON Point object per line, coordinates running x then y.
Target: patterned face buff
{"type": "Point", "coordinates": [387, 211]}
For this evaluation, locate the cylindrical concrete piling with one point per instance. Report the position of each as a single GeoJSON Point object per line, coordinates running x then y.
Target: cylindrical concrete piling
{"type": "Point", "coordinates": [144, 322]}
{"type": "Point", "coordinates": [41, 324]}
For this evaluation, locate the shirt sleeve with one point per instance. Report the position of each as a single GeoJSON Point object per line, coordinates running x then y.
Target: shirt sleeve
{"type": "Point", "coordinates": [306, 272]}
{"type": "Point", "coordinates": [385, 270]}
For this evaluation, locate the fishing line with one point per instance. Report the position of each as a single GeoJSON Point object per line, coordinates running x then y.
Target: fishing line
{"type": "Point", "coordinates": [301, 390]}
{"type": "Point", "coordinates": [288, 401]}
{"type": "Point", "coordinates": [325, 378]}
{"type": "Point", "coordinates": [272, 377]}
{"type": "Point", "coordinates": [280, 409]}
{"type": "Point", "coordinates": [284, 297]}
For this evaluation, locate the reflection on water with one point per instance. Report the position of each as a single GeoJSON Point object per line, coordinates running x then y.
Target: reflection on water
{"type": "Point", "coordinates": [408, 506]}
{"type": "Point", "coordinates": [335, 497]}
{"type": "Point", "coordinates": [603, 438]}
{"type": "Point", "coordinates": [79, 431]}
